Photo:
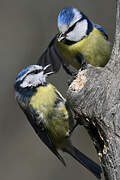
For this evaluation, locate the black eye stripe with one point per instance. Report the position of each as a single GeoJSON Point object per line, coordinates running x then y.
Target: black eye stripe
{"type": "Point", "coordinates": [72, 27]}
{"type": "Point", "coordinates": [90, 25]}
{"type": "Point", "coordinates": [36, 71]}
{"type": "Point", "coordinates": [33, 72]}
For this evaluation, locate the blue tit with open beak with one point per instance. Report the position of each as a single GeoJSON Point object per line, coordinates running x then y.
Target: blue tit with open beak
{"type": "Point", "coordinates": [49, 114]}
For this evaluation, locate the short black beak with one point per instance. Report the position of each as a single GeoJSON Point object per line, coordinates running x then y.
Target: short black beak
{"type": "Point", "coordinates": [44, 136]}
{"type": "Point", "coordinates": [60, 37]}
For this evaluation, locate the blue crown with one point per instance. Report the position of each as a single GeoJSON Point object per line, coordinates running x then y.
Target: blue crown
{"type": "Point", "coordinates": [21, 73]}
{"type": "Point", "coordinates": [65, 16]}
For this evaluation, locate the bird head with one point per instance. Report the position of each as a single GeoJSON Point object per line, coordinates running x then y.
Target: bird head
{"type": "Point", "coordinates": [32, 76]}
{"type": "Point", "coordinates": [73, 25]}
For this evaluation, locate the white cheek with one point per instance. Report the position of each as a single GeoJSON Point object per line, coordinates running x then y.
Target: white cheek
{"type": "Point", "coordinates": [33, 80]}
{"type": "Point", "coordinates": [28, 81]}
{"type": "Point", "coordinates": [78, 32]}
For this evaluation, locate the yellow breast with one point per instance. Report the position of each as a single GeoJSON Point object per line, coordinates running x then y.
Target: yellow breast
{"type": "Point", "coordinates": [56, 116]}
{"type": "Point", "coordinates": [94, 48]}
{"type": "Point", "coordinates": [44, 98]}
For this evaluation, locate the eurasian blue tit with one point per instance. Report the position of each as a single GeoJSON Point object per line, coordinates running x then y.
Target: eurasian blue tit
{"type": "Point", "coordinates": [79, 42]}
{"type": "Point", "coordinates": [49, 114]}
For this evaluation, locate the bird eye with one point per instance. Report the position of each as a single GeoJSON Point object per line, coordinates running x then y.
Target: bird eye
{"type": "Point", "coordinates": [71, 28]}
{"type": "Point", "coordinates": [36, 71]}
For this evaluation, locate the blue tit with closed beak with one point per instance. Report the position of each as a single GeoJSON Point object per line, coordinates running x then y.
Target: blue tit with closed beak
{"type": "Point", "coordinates": [79, 42]}
{"type": "Point", "coordinates": [49, 114]}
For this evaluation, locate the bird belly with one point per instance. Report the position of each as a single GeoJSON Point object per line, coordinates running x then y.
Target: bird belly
{"type": "Point", "coordinates": [54, 116]}
{"type": "Point", "coordinates": [58, 126]}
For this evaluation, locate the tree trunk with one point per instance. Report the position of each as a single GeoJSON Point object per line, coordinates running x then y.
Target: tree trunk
{"type": "Point", "coordinates": [95, 98]}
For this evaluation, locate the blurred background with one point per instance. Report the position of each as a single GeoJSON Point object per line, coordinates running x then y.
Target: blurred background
{"type": "Point", "coordinates": [26, 27]}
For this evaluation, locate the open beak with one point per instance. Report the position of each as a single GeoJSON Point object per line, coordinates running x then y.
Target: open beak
{"type": "Point", "coordinates": [46, 68]}
{"type": "Point", "coordinates": [44, 136]}
{"type": "Point", "coordinates": [60, 37]}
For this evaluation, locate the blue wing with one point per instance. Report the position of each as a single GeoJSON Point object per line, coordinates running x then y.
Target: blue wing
{"type": "Point", "coordinates": [100, 28]}
{"type": "Point", "coordinates": [51, 56]}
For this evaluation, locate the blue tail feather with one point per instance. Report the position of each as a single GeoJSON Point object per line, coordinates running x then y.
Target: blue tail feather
{"type": "Point", "coordinates": [85, 161]}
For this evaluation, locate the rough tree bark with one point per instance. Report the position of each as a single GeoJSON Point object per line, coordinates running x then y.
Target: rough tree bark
{"type": "Point", "coordinates": [95, 97]}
